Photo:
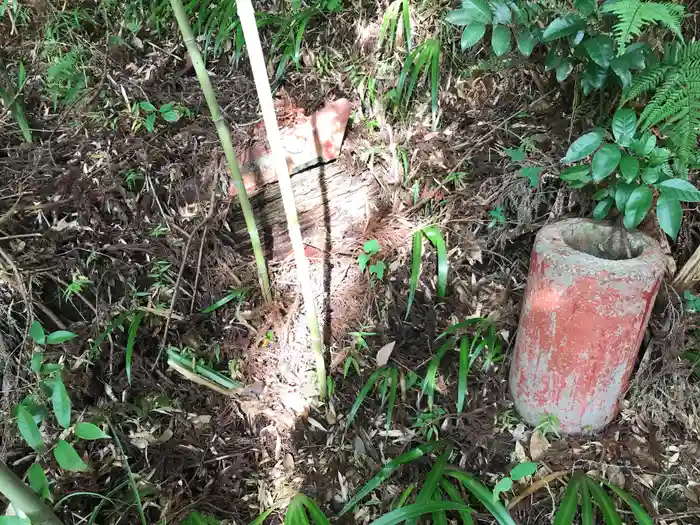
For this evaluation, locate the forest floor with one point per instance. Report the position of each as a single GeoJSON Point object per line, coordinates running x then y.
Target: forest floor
{"type": "Point", "coordinates": [100, 201]}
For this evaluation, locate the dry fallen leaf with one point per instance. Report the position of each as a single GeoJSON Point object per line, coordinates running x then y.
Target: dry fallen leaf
{"type": "Point", "coordinates": [384, 353]}
{"type": "Point", "coordinates": [288, 462]}
{"type": "Point", "coordinates": [538, 445]}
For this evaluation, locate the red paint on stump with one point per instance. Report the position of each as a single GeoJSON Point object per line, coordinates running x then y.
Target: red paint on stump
{"type": "Point", "coordinates": [584, 314]}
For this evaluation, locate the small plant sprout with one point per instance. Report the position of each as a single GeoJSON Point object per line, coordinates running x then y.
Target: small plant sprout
{"type": "Point", "coordinates": [77, 285]}
{"type": "Point", "coordinates": [526, 170]}
{"type": "Point", "coordinates": [169, 112]}
{"type": "Point", "coordinates": [434, 235]}
{"type": "Point", "coordinates": [692, 302]}
{"type": "Point", "coordinates": [549, 425]}
{"type": "Point", "coordinates": [368, 260]}
{"type": "Point", "coordinates": [497, 217]}
{"type": "Point", "coordinates": [159, 230]}
{"type": "Point", "coordinates": [517, 473]}
{"type": "Point", "coordinates": [427, 423]}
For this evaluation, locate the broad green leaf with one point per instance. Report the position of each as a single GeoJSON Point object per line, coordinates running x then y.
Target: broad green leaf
{"type": "Point", "coordinates": [150, 122]}
{"type": "Point", "coordinates": [585, 7]}
{"type": "Point", "coordinates": [604, 502]}
{"type": "Point", "coordinates": [527, 468]}
{"type": "Point", "coordinates": [562, 27]}
{"type": "Point", "coordinates": [68, 458]}
{"type": "Point", "coordinates": [578, 38]}
{"type": "Point", "coordinates": [89, 431]}
{"type": "Point", "coordinates": [460, 17]}
{"type": "Point", "coordinates": [130, 341]}
{"type": "Point", "coordinates": [147, 106]}
{"type": "Point", "coordinates": [629, 167]}
{"type": "Point", "coordinates": [595, 76]}
{"type": "Point", "coordinates": [36, 331]}
{"type": "Point", "coordinates": [377, 269]}
{"type": "Point", "coordinates": [29, 429]}
{"type": "Point", "coordinates": [584, 146]}
{"type": "Point", "coordinates": [501, 12]}
{"type": "Point", "coordinates": [650, 175]}
{"type": "Point", "coordinates": [527, 41]}
{"type": "Point", "coordinates": [416, 510]}
{"type": "Point", "coordinates": [638, 205]}
{"type": "Point", "coordinates": [372, 247]}
{"type": "Point", "coordinates": [624, 124]}
{"type": "Point", "coordinates": [563, 70]}
{"type": "Point", "coordinates": [645, 144]}
{"type": "Point", "coordinates": [601, 49]}
{"type": "Point", "coordinates": [503, 485]}
{"type": "Point", "coordinates": [14, 520]}
{"type": "Point", "coordinates": [472, 35]}
{"type": "Point", "coordinates": [532, 174]}
{"type": "Point", "coordinates": [569, 503]}
{"type": "Point", "coordinates": [516, 154]}
{"type": "Point", "coordinates": [603, 208]}
{"type": "Point", "coordinates": [388, 469]}
{"type": "Point", "coordinates": [620, 67]}
{"type": "Point", "coordinates": [61, 403]}
{"type": "Point", "coordinates": [552, 59]}
{"type": "Point", "coordinates": [38, 482]}
{"type": "Point", "coordinates": [500, 40]}
{"type": "Point", "coordinates": [605, 161]}
{"type": "Point", "coordinates": [59, 336]}
{"type": "Point", "coordinates": [576, 173]}
{"type": "Point", "coordinates": [478, 10]}
{"type": "Point", "coordinates": [484, 495]}
{"type": "Point", "coordinates": [623, 191]}
{"type": "Point", "coordinates": [602, 193]}
{"type": "Point", "coordinates": [659, 156]}
{"type": "Point", "coordinates": [36, 361]}
{"type": "Point", "coordinates": [681, 189]}
{"type": "Point", "coordinates": [416, 258]}
{"type": "Point", "coordinates": [434, 235]}
{"type": "Point", "coordinates": [669, 214]}
{"type": "Point", "coordinates": [363, 261]}
{"type": "Point", "coordinates": [640, 514]}
{"type": "Point", "coordinates": [170, 116]}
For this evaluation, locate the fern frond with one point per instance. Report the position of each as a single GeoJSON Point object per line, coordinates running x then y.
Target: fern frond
{"type": "Point", "coordinates": [647, 81]}
{"type": "Point", "coordinates": [683, 133]}
{"type": "Point", "coordinates": [635, 15]}
{"type": "Point", "coordinates": [691, 51]}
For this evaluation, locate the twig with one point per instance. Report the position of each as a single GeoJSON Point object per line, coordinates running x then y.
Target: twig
{"type": "Point", "coordinates": [21, 236]}
{"type": "Point", "coordinates": [188, 374]}
{"type": "Point", "coordinates": [48, 313]}
{"type": "Point", "coordinates": [199, 266]}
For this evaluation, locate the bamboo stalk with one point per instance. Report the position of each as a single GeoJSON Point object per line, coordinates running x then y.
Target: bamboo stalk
{"type": "Point", "coordinates": [225, 138]}
{"type": "Point", "coordinates": [246, 15]}
{"type": "Point", "coordinates": [23, 498]}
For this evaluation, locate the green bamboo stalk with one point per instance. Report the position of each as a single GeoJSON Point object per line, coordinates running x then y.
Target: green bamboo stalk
{"type": "Point", "coordinates": [23, 498]}
{"type": "Point", "coordinates": [246, 15]}
{"type": "Point", "coordinates": [225, 138]}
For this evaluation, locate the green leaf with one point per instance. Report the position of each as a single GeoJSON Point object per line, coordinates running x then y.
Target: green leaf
{"type": "Point", "coordinates": [428, 385]}
{"type": "Point", "coordinates": [584, 146]}
{"type": "Point", "coordinates": [472, 35]}
{"type": "Point", "coordinates": [372, 247]}
{"type": "Point", "coordinates": [477, 10]}
{"type": "Point", "coordinates": [620, 66]}
{"type": "Point", "coordinates": [638, 205]}
{"type": "Point", "coordinates": [500, 40]}
{"type": "Point", "coordinates": [394, 373]}
{"type": "Point", "coordinates": [576, 173]}
{"type": "Point", "coordinates": [563, 70]}
{"type": "Point", "coordinates": [501, 12]}
{"type": "Point", "coordinates": [595, 76]}
{"type": "Point", "coordinates": [68, 458]}
{"type": "Point", "coordinates": [669, 213]}
{"type": "Point", "coordinates": [416, 258]}
{"type": "Point", "coordinates": [639, 513]}
{"type": "Point", "coordinates": [604, 501]}
{"type": "Point", "coordinates": [89, 431]}
{"type": "Point", "coordinates": [235, 294]}
{"type": "Point", "coordinates": [147, 106]}
{"type": "Point", "coordinates": [651, 175]}
{"type": "Point", "coordinates": [624, 124]}
{"type": "Point", "coordinates": [464, 366]}
{"type": "Point", "coordinates": [131, 339]}
{"type": "Point", "coordinates": [503, 485]}
{"type": "Point", "coordinates": [603, 208]}
{"type": "Point", "coordinates": [170, 116]}
{"type": "Point", "coordinates": [601, 49]}
{"type": "Point", "coordinates": [59, 336]}
{"type": "Point", "coordinates": [516, 154]}
{"type": "Point", "coordinates": [377, 269]}
{"type": "Point", "coordinates": [531, 173]}
{"type": "Point", "coordinates": [317, 515]}
{"type": "Point", "coordinates": [623, 191]}
{"type": "Point", "coordinates": [460, 17]}
{"type": "Point", "coordinates": [363, 394]}
{"type": "Point", "coordinates": [646, 144]}
{"type": "Point", "coordinates": [484, 495]}
{"type": "Point", "coordinates": [416, 510]}
{"type": "Point", "coordinates": [605, 161]}
{"type": "Point", "coordinates": [527, 468]}
{"type": "Point", "coordinates": [35, 363]}
{"type": "Point", "coordinates": [527, 41]}
{"type": "Point", "coordinates": [388, 469]}
{"type": "Point", "coordinates": [29, 429]}
{"type": "Point", "coordinates": [585, 7]}
{"type": "Point", "coordinates": [552, 59]}
{"type": "Point", "coordinates": [629, 167]}
{"type": "Point", "coordinates": [150, 122]}
{"type": "Point", "coordinates": [681, 189]}
{"type": "Point", "coordinates": [586, 505]}
{"type": "Point", "coordinates": [61, 403]}
{"type": "Point", "coordinates": [432, 480]}
{"type": "Point", "coordinates": [562, 27]}
{"type": "Point", "coordinates": [14, 520]}
{"type": "Point", "coordinates": [363, 261]}
{"type": "Point", "coordinates": [434, 235]}
{"type": "Point", "coordinates": [659, 156]}
{"type": "Point", "coordinates": [452, 493]}
{"type": "Point", "coordinates": [36, 331]}
{"type": "Point", "coordinates": [569, 503]}
{"type": "Point", "coordinates": [38, 482]}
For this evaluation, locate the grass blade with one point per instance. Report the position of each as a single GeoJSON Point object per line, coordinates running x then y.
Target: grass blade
{"type": "Point", "coordinates": [586, 505]}
{"type": "Point", "coordinates": [261, 519]}
{"type": "Point", "coordinates": [388, 469]}
{"type": "Point", "coordinates": [295, 514]}
{"type": "Point", "coordinates": [317, 515]}
{"type": "Point", "coordinates": [431, 484]}
{"type": "Point", "coordinates": [569, 503]}
{"type": "Point", "coordinates": [416, 510]}
{"type": "Point", "coordinates": [407, 25]}
{"type": "Point", "coordinates": [235, 294]}
{"type": "Point", "coordinates": [449, 489]}
{"type": "Point", "coordinates": [484, 495]}
{"type": "Point", "coordinates": [212, 375]}
{"type": "Point", "coordinates": [392, 398]}
{"type": "Point", "coordinates": [404, 496]}
{"type": "Point", "coordinates": [417, 254]}
{"type": "Point", "coordinates": [363, 394]}
{"type": "Point", "coordinates": [428, 386]}
{"type": "Point", "coordinates": [130, 475]}
{"type": "Point", "coordinates": [605, 502]}
{"type": "Point", "coordinates": [435, 80]}
{"type": "Point", "coordinates": [464, 365]}
{"type": "Point", "coordinates": [440, 517]}
{"type": "Point", "coordinates": [434, 235]}
{"type": "Point", "coordinates": [115, 323]}
{"type": "Point", "coordinates": [640, 513]}
{"type": "Point", "coordinates": [404, 72]}
{"type": "Point", "coordinates": [133, 328]}
{"type": "Point", "coordinates": [467, 323]}
{"type": "Point", "coordinates": [418, 66]}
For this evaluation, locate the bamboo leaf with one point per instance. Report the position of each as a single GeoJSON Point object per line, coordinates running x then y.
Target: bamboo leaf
{"type": "Point", "coordinates": [89, 431]}
{"type": "Point", "coordinates": [61, 403]}
{"type": "Point", "coordinates": [68, 458]}
{"type": "Point", "coordinates": [428, 386]}
{"type": "Point", "coordinates": [392, 398]}
{"type": "Point", "coordinates": [416, 257]}
{"type": "Point", "coordinates": [363, 394]}
{"type": "Point", "coordinates": [131, 339]}
{"type": "Point", "coordinates": [449, 489]}
{"type": "Point", "coordinates": [586, 505]}
{"type": "Point", "coordinates": [463, 372]}
{"type": "Point", "coordinates": [603, 501]}
{"type": "Point", "coordinates": [642, 516]}
{"type": "Point", "coordinates": [388, 469]}
{"type": "Point", "coordinates": [484, 495]}
{"type": "Point", "coordinates": [416, 510]}
{"type": "Point", "coordinates": [29, 429]}
{"type": "Point", "coordinates": [432, 480]}
{"type": "Point", "coordinates": [569, 503]}
{"type": "Point", "coordinates": [317, 515]}
{"type": "Point", "coordinates": [434, 235]}
{"type": "Point", "coordinates": [407, 25]}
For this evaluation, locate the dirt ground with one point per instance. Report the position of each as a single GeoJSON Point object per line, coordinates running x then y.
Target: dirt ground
{"type": "Point", "coordinates": [70, 209]}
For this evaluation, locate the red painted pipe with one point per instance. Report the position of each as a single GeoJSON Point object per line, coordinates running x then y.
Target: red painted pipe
{"type": "Point", "coordinates": [584, 314]}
